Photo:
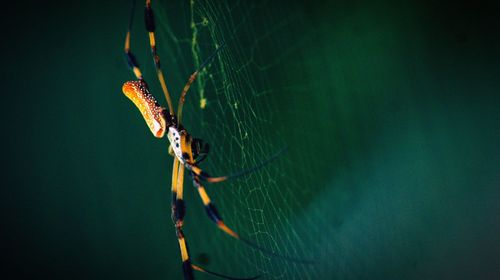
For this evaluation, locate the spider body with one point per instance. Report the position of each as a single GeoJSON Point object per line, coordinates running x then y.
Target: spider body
{"type": "Point", "coordinates": [187, 151]}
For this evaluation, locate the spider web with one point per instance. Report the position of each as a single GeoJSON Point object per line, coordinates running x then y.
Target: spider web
{"type": "Point", "coordinates": [369, 118]}
{"type": "Point", "coordinates": [235, 106]}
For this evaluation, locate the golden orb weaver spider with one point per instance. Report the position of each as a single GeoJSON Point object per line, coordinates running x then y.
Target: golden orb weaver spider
{"type": "Point", "coordinates": [187, 151]}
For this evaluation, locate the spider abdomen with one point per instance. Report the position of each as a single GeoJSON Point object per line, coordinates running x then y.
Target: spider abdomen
{"type": "Point", "coordinates": [152, 112]}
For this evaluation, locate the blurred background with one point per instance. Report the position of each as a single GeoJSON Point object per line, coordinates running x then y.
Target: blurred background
{"type": "Point", "coordinates": [389, 111]}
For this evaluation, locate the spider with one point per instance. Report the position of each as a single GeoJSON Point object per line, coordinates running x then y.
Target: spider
{"type": "Point", "coordinates": [187, 151]}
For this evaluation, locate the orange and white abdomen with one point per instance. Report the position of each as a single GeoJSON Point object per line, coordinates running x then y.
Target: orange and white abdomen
{"type": "Point", "coordinates": [151, 111]}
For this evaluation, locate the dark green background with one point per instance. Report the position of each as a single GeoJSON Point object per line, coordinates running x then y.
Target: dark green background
{"type": "Point", "coordinates": [390, 112]}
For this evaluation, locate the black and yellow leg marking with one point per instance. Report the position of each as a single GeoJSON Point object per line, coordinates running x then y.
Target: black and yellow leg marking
{"type": "Point", "coordinates": [178, 207]}
{"type": "Point", "coordinates": [150, 27]}
{"type": "Point", "coordinates": [186, 262]}
{"type": "Point", "coordinates": [187, 149]}
{"type": "Point", "coordinates": [217, 219]}
{"type": "Point", "coordinates": [129, 56]}
{"type": "Point", "coordinates": [180, 182]}
{"type": "Point", "coordinates": [174, 174]}
{"type": "Point", "coordinates": [178, 212]}
{"type": "Point", "coordinates": [205, 176]}
{"type": "Point", "coordinates": [212, 212]}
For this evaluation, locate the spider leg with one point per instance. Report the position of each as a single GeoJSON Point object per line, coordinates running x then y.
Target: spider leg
{"type": "Point", "coordinates": [214, 215]}
{"type": "Point", "coordinates": [206, 177]}
{"type": "Point", "coordinates": [129, 56]}
{"type": "Point", "coordinates": [191, 79]}
{"type": "Point", "coordinates": [178, 207]}
{"type": "Point", "coordinates": [150, 27]}
{"type": "Point", "coordinates": [178, 212]}
{"type": "Point", "coordinates": [212, 212]}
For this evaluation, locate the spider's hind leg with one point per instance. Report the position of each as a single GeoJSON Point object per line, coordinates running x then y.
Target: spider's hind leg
{"type": "Point", "coordinates": [186, 262]}
{"type": "Point", "coordinates": [214, 215]}
{"type": "Point", "coordinates": [212, 212]}
{"type": "Point", "coordinates": [129, 56]}
{"type": "Point", "coordinates": [178, 212]}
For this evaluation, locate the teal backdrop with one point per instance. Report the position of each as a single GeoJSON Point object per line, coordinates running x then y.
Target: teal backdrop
{"type": "Point", "coordinates": [389, 112]}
